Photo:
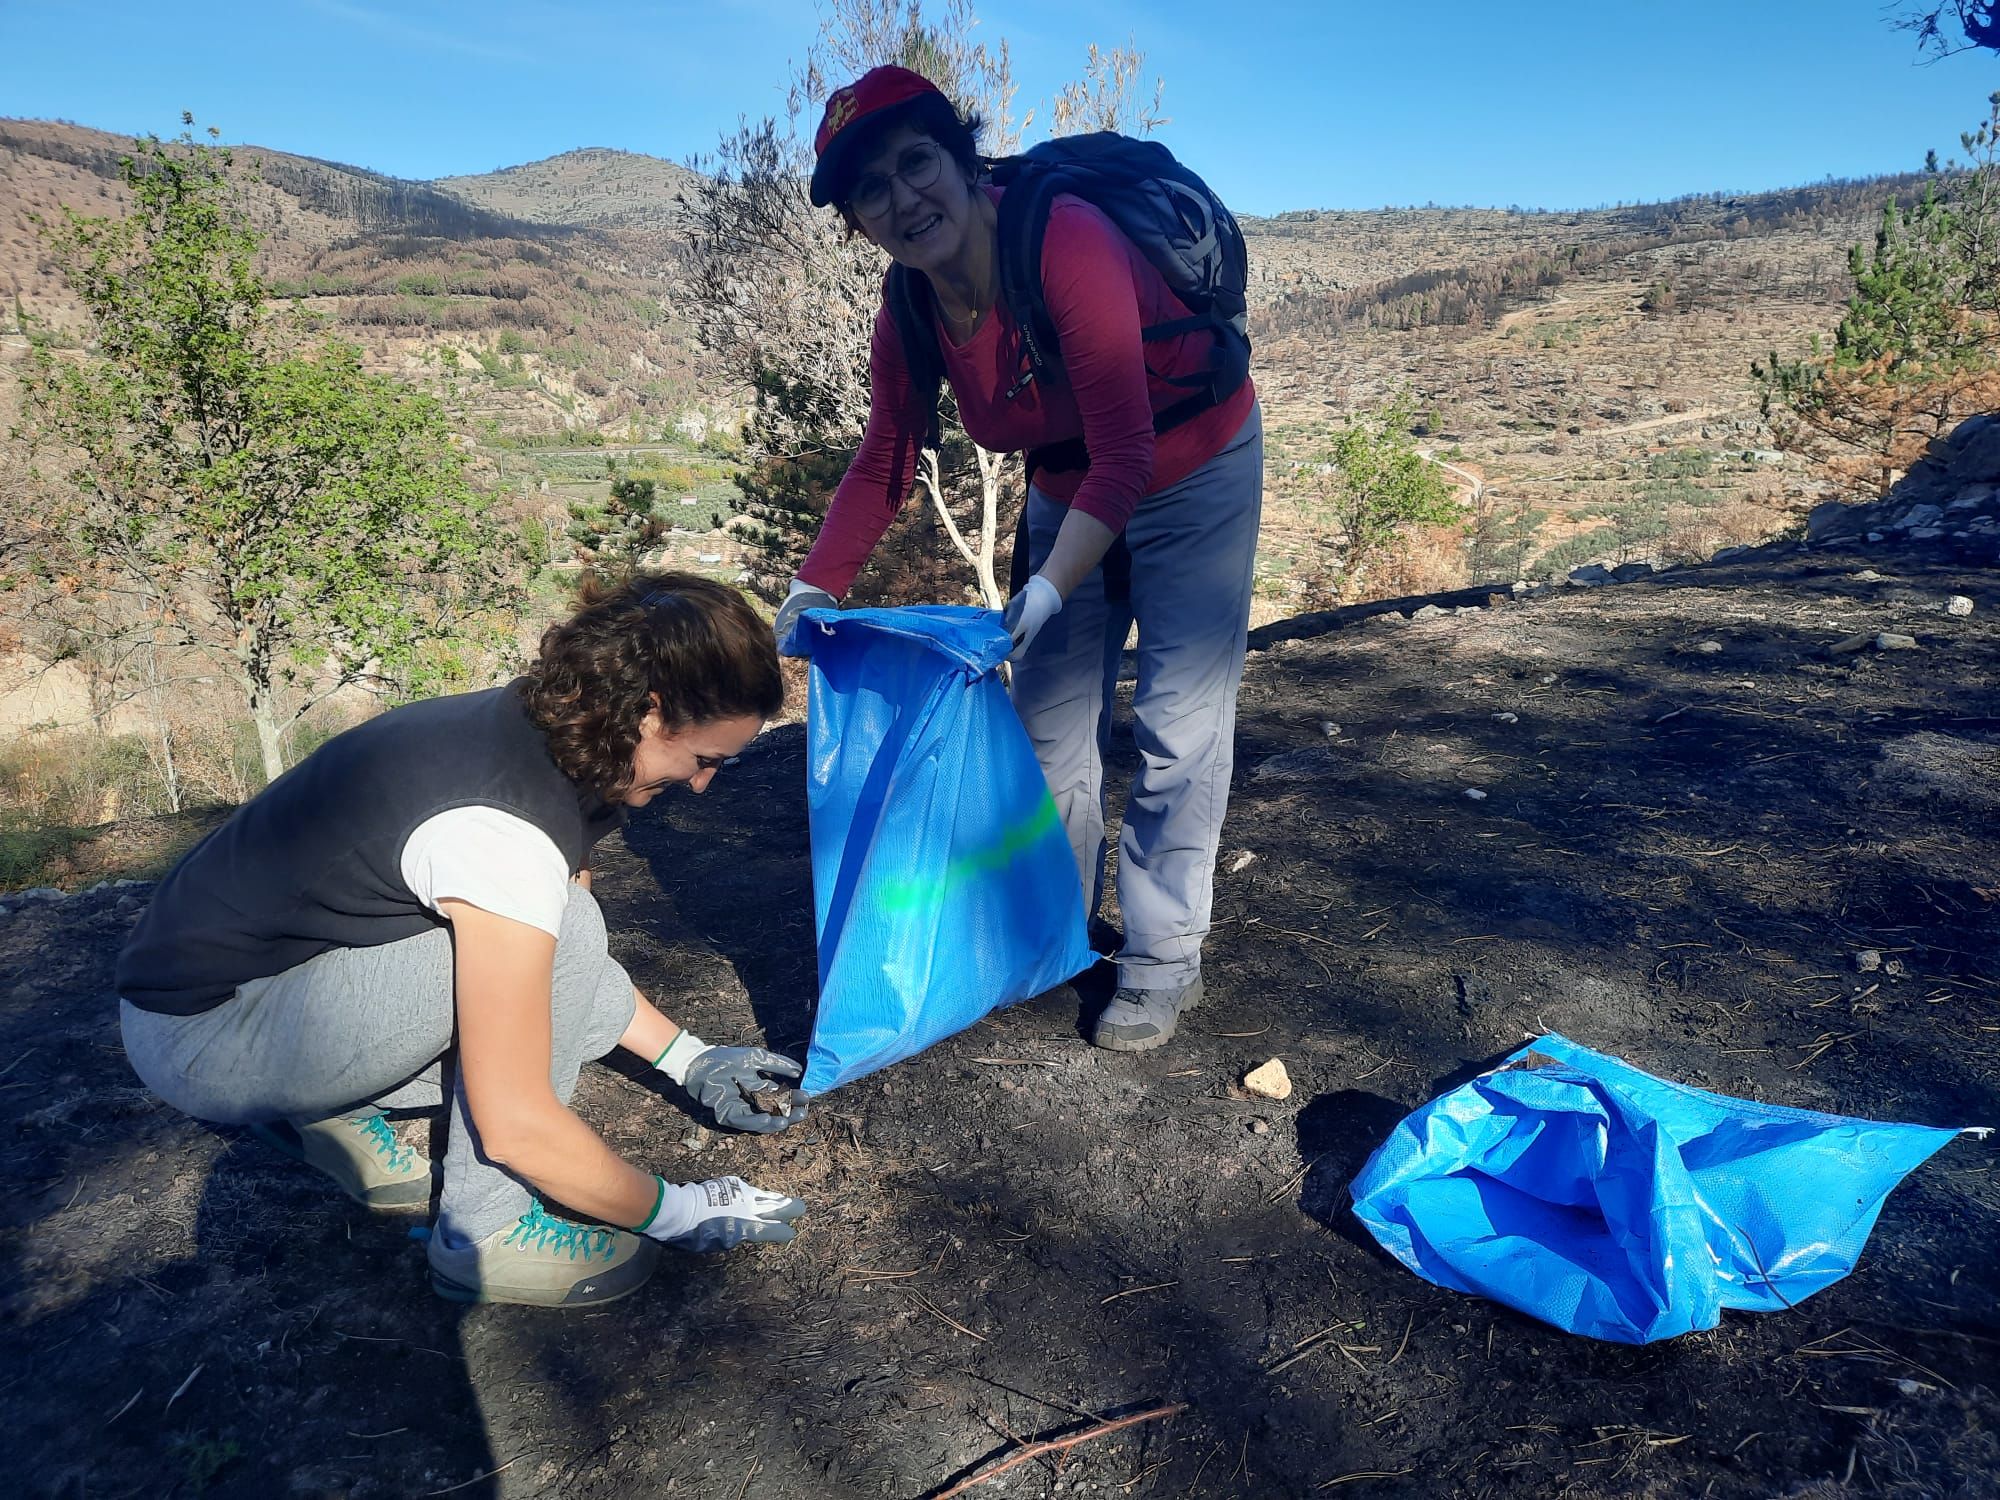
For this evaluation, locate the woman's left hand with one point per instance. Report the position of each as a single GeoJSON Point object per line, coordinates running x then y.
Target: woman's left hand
{"type": "Point", "coordinates": [723, 1078]}
{"type": "Point", "coordinates": [1028, 611]}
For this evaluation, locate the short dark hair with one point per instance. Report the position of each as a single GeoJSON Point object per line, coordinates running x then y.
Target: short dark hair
{"type": "Point", "coordinates": [695, 644]}
{"type": "Point", "coordinates": [934, 116]}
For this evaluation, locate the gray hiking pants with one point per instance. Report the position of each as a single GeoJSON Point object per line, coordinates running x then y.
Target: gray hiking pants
{"type": "Point", "coordinates": [356, 1030]}
{"type": "Point", "coordinates": [1193, 548]}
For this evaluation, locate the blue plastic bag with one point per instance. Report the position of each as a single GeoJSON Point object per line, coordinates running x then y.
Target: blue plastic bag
{"type": "Point", "coordinates": [943, 883]}
{"type": "Point", "coordinates": [1611, 1203]}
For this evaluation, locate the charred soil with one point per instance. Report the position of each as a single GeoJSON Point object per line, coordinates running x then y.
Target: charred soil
{"type": "Point", "coordinates": [1694, 819]}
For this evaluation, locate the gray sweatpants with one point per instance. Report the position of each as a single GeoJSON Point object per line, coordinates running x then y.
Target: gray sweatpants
{"type": "Point", "coordinates": [363, 1029]}
{"type": "Point", "coordinates": [1193, 548]}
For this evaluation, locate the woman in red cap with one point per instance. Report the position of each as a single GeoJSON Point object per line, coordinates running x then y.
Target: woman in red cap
{"type": "Point", "coordinates": [1154, 528]}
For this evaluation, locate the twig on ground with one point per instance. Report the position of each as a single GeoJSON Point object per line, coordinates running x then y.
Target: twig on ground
{"type": "Point", "coordinates": [475, 1479]}
{"type": "Point", "coordinates": [1294, 1180]}
{"type": "Point", "coordinates": [1014, 1062]}
{"type": "Point", "coordinates": [1133, 1291]}
{"type": "Point", "coordinates": [933, 1309]}
{"type": "Point", "coordinates": [1062, 1445]}
{"type": "Point", "coordinates": [127, 1406]}
{"type": "Point", "coordinates": [1407, 1326]}
{"type": "Point", "coordinates": [1366, 1474]}
{"type": "Point", "coordinates": [1001, 1385]}
{"type": "Point", "coordinates": [182, 1389]}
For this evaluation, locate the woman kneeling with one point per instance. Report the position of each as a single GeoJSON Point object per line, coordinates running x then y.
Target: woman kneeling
{"type": "Point", "coordinates": [416, 891]}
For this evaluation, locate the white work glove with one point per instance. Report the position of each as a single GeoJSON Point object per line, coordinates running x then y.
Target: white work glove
{"type": "Point", "coordinates": [801, 597]}
{"type": "Point", "coordinates": [724, 1078]}
{"type": "Point", "coordinates": [721, 1214]}
{"type": "Point", "coordinates": [1028, 611]}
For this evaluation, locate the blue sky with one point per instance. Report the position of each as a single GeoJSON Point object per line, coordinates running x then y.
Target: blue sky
{"type": "Point", "coordinates": [1541, 103]}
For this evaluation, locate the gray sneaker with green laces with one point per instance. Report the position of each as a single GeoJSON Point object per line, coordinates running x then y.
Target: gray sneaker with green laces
{"type": "Point", "coordinates": [362, 1155]}
{"type": "Point", "coordinates": [543, 1261]}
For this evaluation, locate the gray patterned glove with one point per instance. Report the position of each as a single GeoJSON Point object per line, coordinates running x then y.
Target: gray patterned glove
{"type": "Point", "coordinates": [724, 1078]}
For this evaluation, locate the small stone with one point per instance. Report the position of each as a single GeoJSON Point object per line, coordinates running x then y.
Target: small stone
{"type": "Point", "coordinates": [1260, 1127]}
{"type": "Point", "coordinates": [1873, 536]}
{"type": "Point", "coordinates": [1522, 586]}
{"type": "Point", "coordinates": [1708, 648]}
{"type": "Point", "coordinates": [697, 1140]}
{"type": "Point", "coordinates": [39, 893]}
{"type": "Point", "coordinates": [1244, 860]}
{"type": "Point", "coordinates": [1958, 606]}
{"type": "Point", "coordinates": [1868, 960]}
{"type": "Point", "coordinates": [1920, 516]}
{"type": "Point", "coordinates": [1868, 575]}
{"type": "Point", "coordinates": [1547, 679]}
{"type": "Point", "coordinates": [1926, 533]}
{"type": "Point", "coordinates": [1888, 640]}
{"type": "Point", "coordinates": [1506, 718]}
{"type": "Point", "coordinates": [1270, 1081]}
{"type": "Point", "coordinates": [1474, 794]}
{"type": "Point", "coordinates": [1330, 729]}
{"type": "Point", "coordinates": [1427, 612]}
{"type": "Point", "coordinates": [1894, 968]}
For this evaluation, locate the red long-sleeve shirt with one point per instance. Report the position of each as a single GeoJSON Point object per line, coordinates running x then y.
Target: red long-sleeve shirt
{"type": "Point", "coordinates": [1101, 291]}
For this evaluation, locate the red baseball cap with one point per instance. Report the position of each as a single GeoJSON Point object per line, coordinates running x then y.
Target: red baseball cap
{"type": "Point", "coordinates": [874, 91]}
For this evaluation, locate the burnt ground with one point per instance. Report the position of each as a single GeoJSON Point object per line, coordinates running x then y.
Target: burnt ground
{"type": "Point", "coordinates": [1678, 854]}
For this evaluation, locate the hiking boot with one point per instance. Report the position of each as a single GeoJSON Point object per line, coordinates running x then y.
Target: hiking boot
{"type": "Point", "coordinates": [372, 1167]}
{"type": "Point", "coordinates": [1140, 1020]}
{"type": "Point", "coordinates": [543, 1261]}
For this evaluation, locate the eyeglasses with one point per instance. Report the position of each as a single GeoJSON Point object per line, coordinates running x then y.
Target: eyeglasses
{"type": "Point", "coordinates": [918, 167]}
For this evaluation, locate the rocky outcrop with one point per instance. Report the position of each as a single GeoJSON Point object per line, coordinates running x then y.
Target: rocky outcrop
{"type": "Point", "coordinates": [1952, 495]}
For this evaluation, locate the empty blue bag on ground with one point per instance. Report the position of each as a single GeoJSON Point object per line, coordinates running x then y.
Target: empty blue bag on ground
{"type": "Point", "coordinates": [1612, 1203]}
{"type": "Point", "coordinates": [943, 883]}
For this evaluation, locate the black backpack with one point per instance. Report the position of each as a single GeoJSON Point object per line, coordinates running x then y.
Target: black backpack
{"type": "Point", "coordinates": [1168, 212]}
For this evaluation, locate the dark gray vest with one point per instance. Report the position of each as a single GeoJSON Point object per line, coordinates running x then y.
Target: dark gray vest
{"type": "Point", "coordinates": [314, 861]}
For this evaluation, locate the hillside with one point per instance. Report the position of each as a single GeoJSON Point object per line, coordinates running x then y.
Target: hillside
{"type": "Point", "coordinates": [595, 187]}
{"type": "Point", "coordinates": [1591, 368]}
{"type": "Point", "coordinates": [529, 327]}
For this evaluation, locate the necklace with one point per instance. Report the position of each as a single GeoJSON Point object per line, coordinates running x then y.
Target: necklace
{"type": "Point", "coordinates": [963, 325]}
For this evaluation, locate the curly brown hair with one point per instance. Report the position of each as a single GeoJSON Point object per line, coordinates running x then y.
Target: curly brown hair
{"type": "Point", "coordinates": [691, 643]}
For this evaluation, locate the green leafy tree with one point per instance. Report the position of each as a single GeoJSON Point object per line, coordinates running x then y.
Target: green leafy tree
{"type": "Point", "coordinates": [1371, 485]}
{"type": "Point", "coordinates": [614, 537]}
{"type": "Point", "coordinates": [1918, 348]}
{"type": "Point", "coordinates": [237, 490]}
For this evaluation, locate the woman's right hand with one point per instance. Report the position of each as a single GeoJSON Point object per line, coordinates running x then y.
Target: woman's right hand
{"type": "Point", "coordinates": [801, 597]}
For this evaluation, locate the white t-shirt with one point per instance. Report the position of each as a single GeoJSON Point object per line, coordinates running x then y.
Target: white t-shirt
{"type": "Point", "coordinates": [489, 859]}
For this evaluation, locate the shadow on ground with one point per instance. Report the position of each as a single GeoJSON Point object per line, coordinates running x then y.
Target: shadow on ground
{"type": "Point", "coordinates": [1678, 855]}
